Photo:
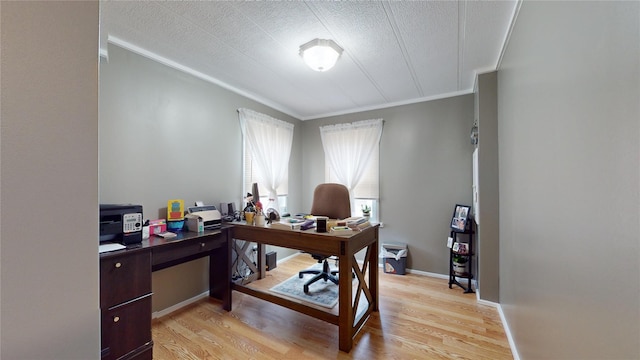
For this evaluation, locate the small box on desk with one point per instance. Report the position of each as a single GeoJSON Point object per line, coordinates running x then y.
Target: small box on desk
{"type": "Point", "coordinates": [157, 226]}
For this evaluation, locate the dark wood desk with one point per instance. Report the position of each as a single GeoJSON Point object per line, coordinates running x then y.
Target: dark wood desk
{"type": "Point", "coordinates": [350, 319]}
{"type": "Point", "coordinates": [188, 246]}
{"type": "Point", "coordinates": [125, 286]}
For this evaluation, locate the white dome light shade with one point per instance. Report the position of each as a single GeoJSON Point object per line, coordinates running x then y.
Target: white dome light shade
{"type": "Point", "coordinates": [320, 54]}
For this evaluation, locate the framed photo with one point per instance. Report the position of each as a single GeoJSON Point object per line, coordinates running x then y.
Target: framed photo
{"type": "Point", "coordinates": [461, 248]}
{"type": "Point", "coordinates": [460, 217]}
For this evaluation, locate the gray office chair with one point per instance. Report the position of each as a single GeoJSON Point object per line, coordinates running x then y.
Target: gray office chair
{"type": "Point", "coordinates": [331, 200]}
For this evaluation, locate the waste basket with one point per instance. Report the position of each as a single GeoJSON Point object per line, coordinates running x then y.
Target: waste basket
{"type": "Point", "coordinates": [394, 257]}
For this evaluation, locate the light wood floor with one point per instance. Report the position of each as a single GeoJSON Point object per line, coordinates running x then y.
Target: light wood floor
{"type": "Point", "coordinates": [419, 318]}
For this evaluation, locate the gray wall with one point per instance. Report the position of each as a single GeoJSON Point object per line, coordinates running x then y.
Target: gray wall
{"type": "Point", "coordinates": [569, 85]}
{"type": "Point", "coordinates": [49, 159]}
{"type": "Point", "coordinates": [165, 135]}
{"type": "Point", "coordinates": [425, 169]}
{"type": "Point", "coordinates": [488, 248]}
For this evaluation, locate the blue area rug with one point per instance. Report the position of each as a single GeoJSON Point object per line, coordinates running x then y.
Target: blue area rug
{"type": "Point", "coordinates": [321, 293]}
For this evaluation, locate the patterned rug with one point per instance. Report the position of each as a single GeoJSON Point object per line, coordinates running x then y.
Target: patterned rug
{"type": "Point", "coordinates": [320, 293]}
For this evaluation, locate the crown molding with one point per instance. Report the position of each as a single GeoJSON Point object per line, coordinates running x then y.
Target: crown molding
{"type": "Point", "coordinates": [175, 65]}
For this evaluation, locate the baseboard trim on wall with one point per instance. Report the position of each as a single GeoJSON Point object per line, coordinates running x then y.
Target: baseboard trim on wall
{"type": "Point", "coordinates": [178, 306]}
{"type": "Point", "coordinates": [512, 343]}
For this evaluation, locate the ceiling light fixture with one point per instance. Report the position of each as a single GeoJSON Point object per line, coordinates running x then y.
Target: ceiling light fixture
{"type": "Point", "coordinates": [320, 54]}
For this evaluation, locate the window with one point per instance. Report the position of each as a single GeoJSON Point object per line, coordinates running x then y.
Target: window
{"type": "Point", "coordinates": [352, 158]}
{"type": "Point", "coordinates": [250, 177]}
{"type": "Point", "coordinates": [266, 147]}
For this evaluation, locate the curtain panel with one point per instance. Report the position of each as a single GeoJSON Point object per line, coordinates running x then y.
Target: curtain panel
{"type": "Point", "coordinates": [348, 149]}
{"type": "Point", "coordinates": [270, 142]}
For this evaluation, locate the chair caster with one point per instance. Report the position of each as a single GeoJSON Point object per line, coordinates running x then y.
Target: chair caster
{"type": "Point", "coordinates": [300, 275]}
{"type": "Point", "coordinates": [306, 289]}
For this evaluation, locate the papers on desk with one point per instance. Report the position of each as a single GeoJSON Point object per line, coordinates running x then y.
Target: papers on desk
{"type": "Point", "coordinates": [110, 247]}
{"type": "Point", "coordinates": [167, 235]}
{"type": "Point", "coordinates": [292, 225]}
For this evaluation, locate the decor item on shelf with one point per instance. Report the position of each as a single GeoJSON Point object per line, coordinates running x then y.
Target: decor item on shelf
{"type": "Point", "coordinates": [460, 264]}
{"type": "Point", "coordinates": [320, 54]}
{"type": "Point", "coordinates": [461, 248]}
{"type": "Point", "coordinates": [366, 210]}
{"type": "Point", "coordinates": [460, 218]}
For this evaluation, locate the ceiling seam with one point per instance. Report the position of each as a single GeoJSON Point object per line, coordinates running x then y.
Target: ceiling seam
{"type": "Point", "coordinates": [403, 47]}
{"type": "Point", "coordinates": [354, 59]}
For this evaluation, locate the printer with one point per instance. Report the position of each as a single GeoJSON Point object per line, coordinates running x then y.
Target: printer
{"type": "Point", "coordinates": [121, 223]}
{"type": "Point", "coordinates": [208, 214]}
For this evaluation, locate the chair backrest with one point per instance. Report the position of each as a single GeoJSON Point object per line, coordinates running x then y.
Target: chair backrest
{"type": "Point", "coordinates": [331, 200]}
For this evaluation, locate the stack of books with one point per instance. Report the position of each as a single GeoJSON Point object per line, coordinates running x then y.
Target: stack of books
{"type": "Point", "coordinates": [358, 223]}
{"type": "Point", "coordinates": [341, 230]}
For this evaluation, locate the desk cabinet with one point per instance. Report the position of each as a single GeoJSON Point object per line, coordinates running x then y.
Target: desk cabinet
{"type": "Point", "coordinates": [125, 303]}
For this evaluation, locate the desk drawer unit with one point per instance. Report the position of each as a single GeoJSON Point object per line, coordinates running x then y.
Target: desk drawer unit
{"type": "Point", "coordinates": [125, 303]}
{"type": "Point", "coordinates": [126, 328]}
{"type": "Point", "coordinates": [124, 277]}
{"type": "Point", "coordinates": [164, 256]}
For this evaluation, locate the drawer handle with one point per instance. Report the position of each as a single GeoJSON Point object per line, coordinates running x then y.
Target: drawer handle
{"type": "Point", "coordinates": [202, 244]}
{"type": "Point", "coordinates": [118, 265]}
{"type": "Point", "coordinates": [116, 319]}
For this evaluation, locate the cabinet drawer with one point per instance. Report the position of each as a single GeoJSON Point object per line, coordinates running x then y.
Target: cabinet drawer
{"type": "Point", "coordinates": [186, 250]}
{"type": "Point", "coordinates": [124, 277]}
{"type": "Point", "coordinates": [127, 327]}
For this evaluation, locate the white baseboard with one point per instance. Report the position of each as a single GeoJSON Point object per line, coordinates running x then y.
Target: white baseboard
{"type": "Point", "coordinates": [505, 324]}
{"type": "Point", "coordinates": [179, 305]}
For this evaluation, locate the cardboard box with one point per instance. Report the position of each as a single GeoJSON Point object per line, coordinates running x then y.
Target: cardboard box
{"type": "Point", "coordinates": [195, 222]}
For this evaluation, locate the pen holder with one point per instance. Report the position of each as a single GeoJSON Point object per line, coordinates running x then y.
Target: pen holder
{"type": "Point", "coordinates": [259, 220]}
{"type": "Point", "coordinates": [248, 216]}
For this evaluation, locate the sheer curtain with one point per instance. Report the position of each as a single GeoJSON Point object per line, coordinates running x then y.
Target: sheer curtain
{"type": "Point", "coordinates": [270, 143]}
{"type": "Point", "coordinates": [348, 148]}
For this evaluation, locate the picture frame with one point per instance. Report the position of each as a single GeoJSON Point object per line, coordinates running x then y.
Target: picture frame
{"type": "Point", "coordinates": [460, 217]}
{"type": "Point", "coordinates": [461, 248]}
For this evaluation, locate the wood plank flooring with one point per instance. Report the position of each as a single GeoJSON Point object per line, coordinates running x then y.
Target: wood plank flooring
{"type": "Point", "coordinates": [419, 318]}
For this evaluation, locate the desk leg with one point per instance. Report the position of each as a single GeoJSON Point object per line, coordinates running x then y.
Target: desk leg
{"type": "Point", "coordinates": [345, 316]}
{"type": "Point", "coordinates": [220, 273]}
{"type": "Point", "coordinates": [262, 261]}
{"type": "Point", "coordinates": [373, 272]}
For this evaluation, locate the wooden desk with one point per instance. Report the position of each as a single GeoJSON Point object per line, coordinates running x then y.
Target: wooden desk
{"type": "Point", "coordinates": [125, 286]}
{"type": "Point", "coordinates": [187, 246]}
{"type": "Point", "coordinates": [345, 247]}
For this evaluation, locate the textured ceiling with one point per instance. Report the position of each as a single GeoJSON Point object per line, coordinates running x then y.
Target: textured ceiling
{"type": "Point", "coordinates": [395, 52]}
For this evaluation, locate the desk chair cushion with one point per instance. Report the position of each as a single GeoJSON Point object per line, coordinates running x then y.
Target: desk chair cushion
{"type": "Point", "coordinates": [331, 200]}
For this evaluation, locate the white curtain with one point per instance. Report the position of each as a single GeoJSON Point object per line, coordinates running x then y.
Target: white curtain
{"type": "Point", "coordinates": [270, 143]}
{"type": "Point", "coordinates": [348, 148]}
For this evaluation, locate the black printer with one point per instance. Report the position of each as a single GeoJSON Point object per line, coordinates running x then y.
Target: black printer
{"type": "Point", "coordinates": [121, 223]}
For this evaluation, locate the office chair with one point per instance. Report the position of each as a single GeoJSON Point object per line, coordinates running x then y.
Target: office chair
{"type": "Point", "coordinates": [331, 200]}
